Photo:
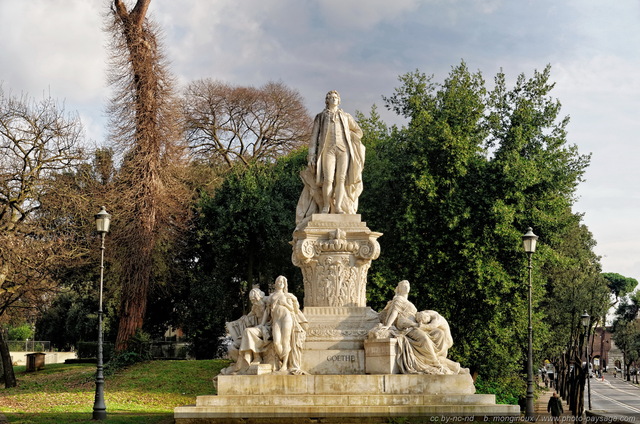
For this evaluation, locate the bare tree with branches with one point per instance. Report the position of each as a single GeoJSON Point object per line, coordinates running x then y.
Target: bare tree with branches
{"type": "Point", "coordinates": [38, 142]}
{"type": "Point", "coordinates": [144, 124]}
{"type": "Point", "coordinates": [231, 124]}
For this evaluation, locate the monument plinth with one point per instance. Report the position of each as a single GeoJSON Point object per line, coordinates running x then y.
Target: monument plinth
{"type": "Point", "coordinates": [334, 253]}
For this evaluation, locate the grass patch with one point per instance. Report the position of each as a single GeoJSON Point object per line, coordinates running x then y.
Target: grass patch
{"type": "Point", "coordinates": [142, 393]}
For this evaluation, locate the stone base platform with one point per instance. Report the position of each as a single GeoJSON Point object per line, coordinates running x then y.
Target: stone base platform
{"type": "Point", "coordinates": [335, 339]}
{"type": "Point", "coordinates": [340, 398]}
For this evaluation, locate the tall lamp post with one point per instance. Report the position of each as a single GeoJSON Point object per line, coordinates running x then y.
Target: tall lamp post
{"type": "Point", "coordinates": [585, 323]}
{"type": "Point", "coordinates": [529, 241]}
{"type": "Point", "coordinates": [103, 219]}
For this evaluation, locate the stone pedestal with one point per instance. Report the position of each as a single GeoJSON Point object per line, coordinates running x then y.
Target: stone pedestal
{"type": "Point", "coordinates": [380, 356]}
{"type": "Point", "coordinates": [334, 253]}
{"type": "Point", "coordinates": [260, 369]}
{"type": "Point", "coordinates": [335, 339]}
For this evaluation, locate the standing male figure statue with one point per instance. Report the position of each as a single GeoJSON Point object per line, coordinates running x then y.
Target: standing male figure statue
{"type": "Point", "coordinates": [336, 160]}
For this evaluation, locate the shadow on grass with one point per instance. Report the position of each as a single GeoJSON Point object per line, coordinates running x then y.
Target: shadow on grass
{"type": "Point", "coordinates": [52, 395]}
{"type": "Point", "coordinates": [189, 378]}
{"type": "Point", "coordinates": [85, 418]}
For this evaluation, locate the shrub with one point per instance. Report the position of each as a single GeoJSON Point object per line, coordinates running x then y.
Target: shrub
{"type": "Point", "coordinates": [139, 350]}
{"type": "Point", "coordinates": [508, 390]}
{"type": "Point", "coordinates": [88, 350]}
{"type": "Point", "coordinates": [20, 332]}
{"type": "Point", "coordinates": [121, 360]}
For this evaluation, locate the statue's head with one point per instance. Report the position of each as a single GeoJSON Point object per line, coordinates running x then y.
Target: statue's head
{"type": "Point", "coordinates": [332, 93]}
{"type": "Point", "coordinates": [281, 281]}
{"type": "Point", "coordinates": [403, 287]}
{"type": "Point", "coordinates": [423, 317]}
{"type": "Point", "coordinates": [256, 295]}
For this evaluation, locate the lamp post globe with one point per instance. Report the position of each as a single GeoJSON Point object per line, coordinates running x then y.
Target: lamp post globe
{"type": "Point", "coordinates": [584, 319]}
{"type": "Point", "coordinates": [529, 240]}
{"type": "Point", "coordinates": [103, 221]}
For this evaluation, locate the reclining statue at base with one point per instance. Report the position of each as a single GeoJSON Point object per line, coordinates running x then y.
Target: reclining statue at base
{"type": "Point", "coordinates": [424, 337]}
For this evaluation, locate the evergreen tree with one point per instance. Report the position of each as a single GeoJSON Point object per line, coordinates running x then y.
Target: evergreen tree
{"type": "Point", "coordinates": [241, 239]}
{"type": "Point", "coordinates": [460, 184]}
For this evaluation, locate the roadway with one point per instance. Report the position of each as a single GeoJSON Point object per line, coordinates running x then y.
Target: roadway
{"type": "Point", "coordinates": [614, 399]}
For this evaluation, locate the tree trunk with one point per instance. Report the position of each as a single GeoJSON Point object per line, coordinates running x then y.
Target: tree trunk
{"type": "Point", "coordinates": [575, 384]}
{"type": "Point", "coordinates": [9, 375]}
{"type": "Point", "coordinates": [143, 166]}
{"type": "Point", "coordinates": [1, 370]}
{"type": "Point", "coordinates": [152, 198]}
{"type": "Point", "coordinates": [133, 307]}
{"type": "Point", "coordinates": [573, 394]}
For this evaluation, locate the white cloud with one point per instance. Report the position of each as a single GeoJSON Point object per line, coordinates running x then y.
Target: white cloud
{"type": "Point", "coordinates": [363, 14]}
{"type": "Point", "coordinates": [56, 45]}
{"type": "Point", "coordinates": [359, 47]}
{"type": "Point", "coordinates": [601, 94]}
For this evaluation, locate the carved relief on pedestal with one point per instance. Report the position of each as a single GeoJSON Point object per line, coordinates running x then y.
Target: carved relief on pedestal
{"type": "Point", "coordinates": [335, 261]}
{"type": "Point", "coordinates": [329, 332]}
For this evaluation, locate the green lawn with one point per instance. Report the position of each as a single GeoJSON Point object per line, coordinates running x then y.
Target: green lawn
{"type": "Point", "coordinates": [143, 393]}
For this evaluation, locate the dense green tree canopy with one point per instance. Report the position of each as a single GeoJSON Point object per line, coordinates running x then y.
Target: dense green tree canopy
{"type": "Point", "coordinates": [619, 284]}
{"type": "Point", "coordinates": [241, 239]}
{"type": "Point", "coordinates": [470, 172]}
{"type": "Point", "coordinates": [626, 329]}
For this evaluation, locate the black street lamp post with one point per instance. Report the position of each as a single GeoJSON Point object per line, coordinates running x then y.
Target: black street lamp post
{"type": "Point", "coordinates": [584, 318]}
{"type": "Point", "coordinates": [529, 242]}
{"type": "Point", "coordinates": [103, 219]}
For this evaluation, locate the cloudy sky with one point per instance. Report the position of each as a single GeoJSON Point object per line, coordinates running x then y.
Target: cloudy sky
{"type": "Point", "coordinates": [360, 47]}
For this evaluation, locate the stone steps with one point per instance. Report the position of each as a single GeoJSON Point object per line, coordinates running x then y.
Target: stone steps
{"type": "Point", "coordinates": [345, 400]}
{"type": "Point", "coordinates": [273, 411]}
{"type": "Point", "coordinates": [362, 384]}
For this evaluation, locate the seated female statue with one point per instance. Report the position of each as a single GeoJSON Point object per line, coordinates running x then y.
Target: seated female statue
{"type": "Point", "coordinates": [423, 337]}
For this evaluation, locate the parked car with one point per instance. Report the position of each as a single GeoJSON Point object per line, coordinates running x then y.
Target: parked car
{"type": "Point", "coordinates": [584, 364]}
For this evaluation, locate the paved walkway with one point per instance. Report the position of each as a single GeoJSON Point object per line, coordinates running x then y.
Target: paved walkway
{"type": "Point", "coordinates": [540, 407]}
